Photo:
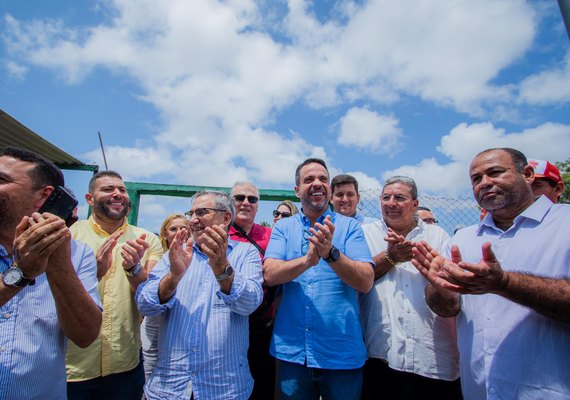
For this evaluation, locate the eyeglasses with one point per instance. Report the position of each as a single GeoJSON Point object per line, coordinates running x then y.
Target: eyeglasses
{"type": "Point", "coordinates": [283, 214]}
{"type": "Point", "coordinates": [430, 220]}
{"type": "Point", "coordinates": [241, 197]}
{"type": "Point", "coordinates": [200, 212]}
{"type": "Point", "coordinates": [398, 198]}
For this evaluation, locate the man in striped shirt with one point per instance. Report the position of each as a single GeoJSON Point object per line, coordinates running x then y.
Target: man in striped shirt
{"type": "Point", "coordinates": [205, 291]}
{"type": "Point", "coordinates": [48, 286]}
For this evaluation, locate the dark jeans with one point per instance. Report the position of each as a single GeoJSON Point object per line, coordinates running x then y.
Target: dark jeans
{"type": "Point", "coordinates": [300, 382]}
{"type": "Point", "coordinates": [383, 382]}
{"type": "Point", "coordinates": [261, 363]}
{"type": "Point", "coordinates": [122, 386]}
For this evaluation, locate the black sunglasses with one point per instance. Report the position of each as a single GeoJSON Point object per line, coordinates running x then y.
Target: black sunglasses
{"type": "Point", "coordinates": [242, 197]}
{"type": "Point", "coordinates": [283, 214]}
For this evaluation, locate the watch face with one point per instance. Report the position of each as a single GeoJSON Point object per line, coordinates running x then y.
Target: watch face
{"type": "Point", "coordinates": [12, 276]}
{"type": "Point", "coordinates": [229, 271]}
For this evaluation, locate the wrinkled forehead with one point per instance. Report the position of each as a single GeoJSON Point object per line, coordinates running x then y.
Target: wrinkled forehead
{"type": "Point", "coordinates": [490, 159]}
{"type": "Point", "coordinates": [246, 189]}
{"type": "Point", "coordinates": [397, 188]}
{"type": "Point", "coordinates": [313, 169]}
{"type": "Point", "coordinates": [206, 200]}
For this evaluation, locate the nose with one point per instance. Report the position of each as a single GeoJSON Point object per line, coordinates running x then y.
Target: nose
{"type": "Point", "coordinates": [485, 181]}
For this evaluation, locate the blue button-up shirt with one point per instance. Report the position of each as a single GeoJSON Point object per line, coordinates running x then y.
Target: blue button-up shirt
{"type": "Point", "coordinates": [203, 337]}
{"type": "Point", "coordinates": [318, 321]}
{"type": "Point", "coordinates": [32, 345]}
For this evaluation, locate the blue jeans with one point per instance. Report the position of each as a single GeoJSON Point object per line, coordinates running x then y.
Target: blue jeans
{"type": "Point", "coordinates": [299, 382]}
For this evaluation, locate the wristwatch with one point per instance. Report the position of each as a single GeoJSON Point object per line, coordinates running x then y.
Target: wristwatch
{"type": "Point", "coordinates": [334, 255]}
{"type": "Point", "coordinates": [134, 270]}
{"type": "Point", "coordinates": [227, 274]}
{"type": "Point", "coordinates": [14, 277]}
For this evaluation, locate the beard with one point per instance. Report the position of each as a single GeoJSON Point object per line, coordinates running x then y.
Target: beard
{"type": "Point", "coordinates": [101, 209]}
{"type": "Point", "coordinates": [500, 200]}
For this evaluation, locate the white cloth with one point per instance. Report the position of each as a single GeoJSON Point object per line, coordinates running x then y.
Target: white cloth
{"type": "Point", "coordinates": [509, 351]}
{"type": "Point", "coordinates": [398, 325]}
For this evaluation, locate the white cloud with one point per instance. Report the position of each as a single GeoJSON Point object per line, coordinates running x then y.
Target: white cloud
{"type": "Point", "coordinates": [548, 141]}
{"type": "Point", "coordinates": [219, 73]}
{"type": "Point", "coordinates": [367, 130]}
{"type": "Point", "coordinates": [547, 87]}
{"type": "Point", "coordinates": [15, 70]}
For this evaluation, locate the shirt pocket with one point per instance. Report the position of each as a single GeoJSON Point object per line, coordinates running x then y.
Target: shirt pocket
{"type": "Point", "coordinates": [42, 298]}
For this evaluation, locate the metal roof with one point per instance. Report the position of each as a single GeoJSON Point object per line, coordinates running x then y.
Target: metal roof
{"type": "Point", "coordinates": [13, 133]}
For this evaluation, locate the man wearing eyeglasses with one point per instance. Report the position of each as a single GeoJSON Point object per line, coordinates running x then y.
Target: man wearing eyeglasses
{"type": "Point", "coordinates": [345, 198]}
{"type": "Point", "coordinates": [411, 351]}
{"type": "Point", "coordinates": [322, 261]}
{"type": "Point", "coordinates": [205, 288]}
{"type": "Point", "coordinates": [426, 215]}
{"type": "Point", "coordinates": [244, 229]}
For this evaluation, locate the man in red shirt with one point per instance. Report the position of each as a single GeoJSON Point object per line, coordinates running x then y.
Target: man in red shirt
{"type": "Point", "coordinates": [244, 229]}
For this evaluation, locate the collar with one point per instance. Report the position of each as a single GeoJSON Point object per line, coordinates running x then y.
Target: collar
{"type": "Point", "coordinates": [100, 231]}
{"type": "Point", "coordinates": [307, 222]}
{"type": "Point", "coordinates": [535, 212]}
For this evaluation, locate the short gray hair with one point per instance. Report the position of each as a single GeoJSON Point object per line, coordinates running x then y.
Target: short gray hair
{"type": "Point", "coordinates": [245, 183]}
{"type": "Point", "coordinates": [404, 180]}
{"type": "Point", "coordinates": [222, 201]}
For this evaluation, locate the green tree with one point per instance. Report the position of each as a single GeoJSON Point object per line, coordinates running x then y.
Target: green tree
{"type": "Point", "coordinates": [564, 167]}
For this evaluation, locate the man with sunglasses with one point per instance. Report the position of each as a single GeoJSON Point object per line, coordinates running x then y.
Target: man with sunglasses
{"type": "Point", "coordinates": [244, 229]}
{"type": "Point", "coordinates": [411, 351]}
{"type": "Point", "coordinates": [205, 288]}
{"type": "Point", "coordinates": [322, 261]}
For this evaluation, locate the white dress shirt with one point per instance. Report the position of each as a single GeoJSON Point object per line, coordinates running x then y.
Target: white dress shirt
{"type": "Point", "coordinates": [398, 325]}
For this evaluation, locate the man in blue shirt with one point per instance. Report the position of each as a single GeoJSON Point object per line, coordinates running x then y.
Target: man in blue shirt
{"type": "Point", "coordinates": [322, 260]}
{"type": "Point", "coordinates": [48, 287]}
{"type": "Point", "coordinates": [205, 292]}
{"type": "Point", "coordinates": [507, 280]}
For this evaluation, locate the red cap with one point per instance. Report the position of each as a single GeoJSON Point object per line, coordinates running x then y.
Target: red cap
{"type": "Point", "coordinates": [544, 169]}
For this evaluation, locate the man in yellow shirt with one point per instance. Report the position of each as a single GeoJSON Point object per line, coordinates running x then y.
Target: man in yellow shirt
{"type": "Point", "coordinates": [111, 367]}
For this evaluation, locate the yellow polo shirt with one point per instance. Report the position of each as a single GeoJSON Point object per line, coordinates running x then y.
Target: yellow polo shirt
{"type": "Point", "coordinates": [118, 345]}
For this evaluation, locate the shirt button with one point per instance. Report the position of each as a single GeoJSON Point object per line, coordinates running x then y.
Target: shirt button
{"type": "Point", "coordinates": [492, 390]}
{"type": "Point", "coordinates": [194, 373]}
{"type": "Point", "coordinates": [2, 348]}
{"type": "Point", "coordinates": [194, 349]}
{"type": "Point", "coordinates": [7, 315]}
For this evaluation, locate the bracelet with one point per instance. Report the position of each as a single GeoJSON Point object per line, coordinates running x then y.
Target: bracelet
{"type": "Point", "coordinates": [389, 259]}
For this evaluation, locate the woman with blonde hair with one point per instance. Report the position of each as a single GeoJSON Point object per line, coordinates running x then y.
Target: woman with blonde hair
{"type": "Point", "coordinates": [285, 209]}
{"type": "Point", "coordinates": [150, 326]}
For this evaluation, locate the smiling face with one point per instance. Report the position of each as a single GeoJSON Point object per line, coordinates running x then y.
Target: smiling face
{"type": "Point", "coordinates": [245, 210]}
{"type": "Point", "coordinates": [313, 190]}
{"type": "Point", "coordinates": [398, 206]}
{"type": "Point", "coordinates": [109, 199]}
{"type": "Point", "coordinates": [345, 199]}
{"type": "Point", "coordinates": [209, 219]}
{"type": "Point", "coordinates": [173, 227]}
{"type": "Point", "coordinates": [18, 197]}
{"type": "Point", "coordinates": [282, 209]}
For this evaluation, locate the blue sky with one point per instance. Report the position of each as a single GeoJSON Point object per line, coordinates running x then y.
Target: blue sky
{"type": "Point", "coordinates": [211, 92]}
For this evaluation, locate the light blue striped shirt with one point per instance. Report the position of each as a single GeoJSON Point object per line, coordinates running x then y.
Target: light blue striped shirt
{"type": "Point", "coordinates": [32, 345]}
{"type": "Point", "coordinates": [203, 337]}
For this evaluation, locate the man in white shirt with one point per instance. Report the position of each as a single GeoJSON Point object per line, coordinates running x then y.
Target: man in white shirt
{"type": "Point", "coordinates": [411, 350]}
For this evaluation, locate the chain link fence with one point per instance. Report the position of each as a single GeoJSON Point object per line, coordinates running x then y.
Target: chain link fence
{"type": "Point", "coordinates": [451, 214]}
